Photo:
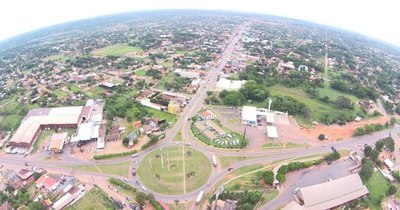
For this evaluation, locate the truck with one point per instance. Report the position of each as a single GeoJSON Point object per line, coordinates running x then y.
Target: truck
{"type": "Point", "coordinates": [199, 197]}
{"type": "Point", "coordinates": [214, 160]}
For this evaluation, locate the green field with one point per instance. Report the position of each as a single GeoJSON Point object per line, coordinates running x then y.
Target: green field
{"type": "Point", "coordinates": [282, 145]}
{"type": "Point", "coordinates": [119, 169]}
{"type": "Point", "coordinates": [226, 161]}
{"type": "Point", "coordinates": [60, 57]}
{"type": "Point", "coordinates": [118, 50]}
{"type": "Point", "coordinates": [94, 92]}
{"type": "Point", "coordinates": [140, 72]}
{"type": "Point", "coordinates": [60, 94]}
{"type": "Point", "coordinates": [377, 186]}
{"type": "Point", "coordinates": [74, 88]}
{"type": "Point", "coordinates": [93, 200]}
{"type": "Point", "coordinates": [13, 120]}
{"type": "Point", "coordinates": [167, 64]}
{"type": "Point", "coordinates": [171, 118]}
{"type": "Point", "coordinates": [173, 169]}
{"type": "Point", "coordinates": [166, 79]}
{"type": "Point", "coordinates": [318, 108]}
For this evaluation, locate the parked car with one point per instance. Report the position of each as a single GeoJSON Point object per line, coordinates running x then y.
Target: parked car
{"type": "Point", "coordinates": [296, 190]}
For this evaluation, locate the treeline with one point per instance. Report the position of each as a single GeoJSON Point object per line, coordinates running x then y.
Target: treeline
{"type": "Point", "coordinates": [294, 166]}
{"type": "Point", "coordinates": [122, 184]}
{"type": "Point", "coordinates": [153, 140]}
{"type": "Point", "coordinates": [349, 84]}
{"type": "Point", "coordinates": [370, 128]}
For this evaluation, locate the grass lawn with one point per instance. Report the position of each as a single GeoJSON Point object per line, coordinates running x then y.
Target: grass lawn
{"type": "Point", "coordinates": [59, 57]}
{"type": "Point", "coordinates": [140, 72]}
{"type": "Point", "coordinates": [167, 64]}
{"type": "Point", "coordinates": [226, 161]}
{"type": "Point", "coordinates": [281, 145]}
{"type": "Point", "coordinates": [45, 134]}
{"type": "Point", "coordinates": [180, 206]}
{"type": "Point", "coordinates": [74, 88]}
{"type": "Point", "coordinates": [268, 196]}
{"type": "Point", "coordinates": [118, 50]}
{"type": "Point", "coordinates": [166, 79]}
{"type": "Point", "coordinates": [173, 169]}
{"type": "Point", "coordinates": [333, 94]}
{"type": "Point", "coordinates": [93, 200]}
{"type": "Point", "coordinates": [318, 108]}
{"type": "Point", "coordinates": [95, 92]}
{"type": "Point", "coordinates": [162, 115]}
{"type": "Point", "coordinates": [13, 120]}
{"type": "Point", "coordinates": [178, 137]}
{"type": "Point", "coordinates": [119, 169]}
{"type": "Point", "coordinates": [60, 94]}
{"type": "Point", "coordinates": [377, 186]}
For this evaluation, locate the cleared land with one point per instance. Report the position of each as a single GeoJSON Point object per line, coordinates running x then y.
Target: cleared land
{"type": "Point", "coordinates": [93, 200]}
{"type": "Point", "coordinates": [118, 50]}
{"type": "Point", "coordinates": [317, 107]}
{"type": "Point", "coordinates": [119, 169]}
{"type": "Point", "coordinates": [170, 171]}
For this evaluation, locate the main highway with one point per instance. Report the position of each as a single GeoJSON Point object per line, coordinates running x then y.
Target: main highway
{"type": "Point", "coordinates": [183, 125]}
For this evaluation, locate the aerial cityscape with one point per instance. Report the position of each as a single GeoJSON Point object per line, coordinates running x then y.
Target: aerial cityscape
{"type": "Point", "coordinates": [198, 109]}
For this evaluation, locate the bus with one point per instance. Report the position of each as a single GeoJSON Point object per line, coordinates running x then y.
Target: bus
{"type": "Point", "coordinates": [214, 160]}
{"type": "Point", "coordinates": [199, 197]}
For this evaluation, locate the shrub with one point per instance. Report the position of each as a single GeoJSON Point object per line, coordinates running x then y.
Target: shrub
{"type": "Point", "coordinates": [113, 155]}
{"type": "Point", "coordinates": [321, 137]}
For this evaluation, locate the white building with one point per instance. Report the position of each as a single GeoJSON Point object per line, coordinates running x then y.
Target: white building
{"type": "Point", "coordinates": [249, 115]}
{"type": "Point", "coordinates": [226, 84]}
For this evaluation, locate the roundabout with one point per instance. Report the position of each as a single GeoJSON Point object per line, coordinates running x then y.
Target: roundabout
{"type": "Point", "coordinates": [174, 170]}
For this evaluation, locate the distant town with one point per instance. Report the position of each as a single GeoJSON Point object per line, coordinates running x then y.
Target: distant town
{"type": "Point", "coordinates": [198, 110]}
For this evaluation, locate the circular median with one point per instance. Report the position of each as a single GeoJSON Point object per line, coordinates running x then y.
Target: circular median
{"type": "Point", "coordinates": [174, 170]}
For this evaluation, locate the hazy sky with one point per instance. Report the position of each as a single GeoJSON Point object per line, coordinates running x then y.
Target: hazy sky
{"type": "Point", "coordinates": [375, 18]}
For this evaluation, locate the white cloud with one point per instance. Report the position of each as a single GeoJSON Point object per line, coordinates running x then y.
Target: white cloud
{"type": "Point", "coordinates": [376, 18]}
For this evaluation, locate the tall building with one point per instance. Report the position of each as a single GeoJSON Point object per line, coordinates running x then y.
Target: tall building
{"type": "Point", "coordinates": [173, 107]}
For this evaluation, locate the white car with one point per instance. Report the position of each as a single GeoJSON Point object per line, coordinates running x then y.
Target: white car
{"type": "Point", "coordinates": [144, 188]}
{"type": "Point", "coordinates": [296, 190]}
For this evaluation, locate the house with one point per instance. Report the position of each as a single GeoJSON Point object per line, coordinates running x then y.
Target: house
{"type": "Point", "coordinates": [6, 206]}
{"type": "Point", "coordinates": [57, 142]}
{"type": "Point", "coordinates": [389, 164]}
{"type": "Point", "coordinates": [24, 174]}
{"type": "Point", "coordinates": [46, 182]}
{"type": "Point", "coordinates": [225, 205]}
{"type": "Point", "coordinates": [173, 107]}
{"type": "Point", "coordinates": [207, 115]}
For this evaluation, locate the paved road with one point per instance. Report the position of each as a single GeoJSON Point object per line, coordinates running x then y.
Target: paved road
{"type": "Point", "coordinates": [183, 125]}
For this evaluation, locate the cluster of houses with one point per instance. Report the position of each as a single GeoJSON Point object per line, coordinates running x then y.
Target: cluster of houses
{"type": "Point", "coordinates": [53, 191]}
{"type": "Point", "coordinates": [173, 102]}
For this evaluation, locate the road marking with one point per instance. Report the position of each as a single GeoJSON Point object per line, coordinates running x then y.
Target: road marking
{"type": "Point", "coordinates": [98, 169]}
{"type": "Point", "coordinates": [184, 171]}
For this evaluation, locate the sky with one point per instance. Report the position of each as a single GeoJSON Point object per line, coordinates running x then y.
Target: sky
{"type": "Point", "coordinates": [375, 18]}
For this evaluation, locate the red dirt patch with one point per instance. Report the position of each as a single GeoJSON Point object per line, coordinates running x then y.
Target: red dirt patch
{"type": "Point", "coordinates": [336, 132]}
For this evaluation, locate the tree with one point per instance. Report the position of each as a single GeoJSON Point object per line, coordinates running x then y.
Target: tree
{"type": "Point", "coordinates": [391, 190]}
{"type": "Point", "coordinates": [321, 137]}
{"type": "Point", "coordinates": [125, 141]}
{"type": "Point", "coordinates": [223, 93]}
{"type": "Point", "coordinates": [366, 170]}
{"type": "Point", "coordinates": [141, 198]}
{"type": "Point", "coordinates": [393, 120]}
{"type": "Point", "coordinates": [234, 98]}
{"type": "Point", "coordinates": [344, 102]}
{"type": "Point", "coordinates": [176, 202]}
{"type": "Point", "coordinates": [253, 91]}
{"type": "Point", "coordinates": [36, 206]}
{"type": "Point", "coordinates": [379, 145]}
{"type": "Point", "coordinates": [268, 177]}
{"type": "Point", "coordinates": [281, 178]}
{"type": "Point", "coordinates": [367, 150]}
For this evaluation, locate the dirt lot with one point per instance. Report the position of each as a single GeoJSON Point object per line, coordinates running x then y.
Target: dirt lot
{"type": "Point", "coordinates": [111, 147]}
{"type": "Point", "coordinates": [336, 132]}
